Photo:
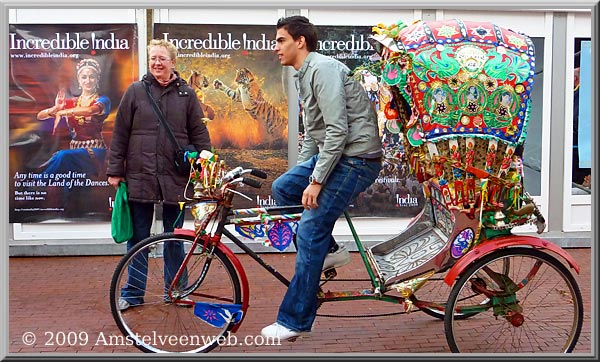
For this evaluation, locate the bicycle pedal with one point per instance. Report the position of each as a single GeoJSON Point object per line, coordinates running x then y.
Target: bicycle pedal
{"type": "Point", "coordinates": [330, 273]}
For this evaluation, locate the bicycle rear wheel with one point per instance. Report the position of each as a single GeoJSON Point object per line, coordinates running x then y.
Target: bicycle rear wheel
{"type": "Point", "coordinates": [163, 323]}
{"type": "Point", "coordinates": [527, 302]}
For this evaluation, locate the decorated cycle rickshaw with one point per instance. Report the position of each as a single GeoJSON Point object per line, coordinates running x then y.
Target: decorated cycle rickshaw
{"type": "Point", "coordinates": [461, 99]}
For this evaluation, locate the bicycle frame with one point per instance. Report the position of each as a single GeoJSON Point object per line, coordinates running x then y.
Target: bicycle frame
{"type": "Point", "coordinates": [378, 288]}
{"type": "Point", "coordinates": [377, 291]}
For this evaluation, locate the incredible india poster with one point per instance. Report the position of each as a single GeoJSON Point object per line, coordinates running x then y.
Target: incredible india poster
{"type": "Point", "coordinates": [395, 193]}
{"type": "Point", "coordinates": [233, 69]}
{"type": "Point", "coordinates": [42, 60]}
{"type": "Point", "coordinates": [238, 80]}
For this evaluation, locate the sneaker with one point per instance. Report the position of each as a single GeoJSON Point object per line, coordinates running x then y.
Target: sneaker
{"type": "Point", "coordinates": [276, 330]}
{"type": "Point", "coordinates": [123, 304]}
{"type": "Point", "coordinates": [337, 259]}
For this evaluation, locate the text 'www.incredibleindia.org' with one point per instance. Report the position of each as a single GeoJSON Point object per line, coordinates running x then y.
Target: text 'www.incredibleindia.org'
{"type": "Point", "coordinates": [43, 55]}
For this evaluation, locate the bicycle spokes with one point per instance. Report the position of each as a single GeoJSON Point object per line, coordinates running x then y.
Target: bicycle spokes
{"type": "Point", "coordinates": [185, 302]}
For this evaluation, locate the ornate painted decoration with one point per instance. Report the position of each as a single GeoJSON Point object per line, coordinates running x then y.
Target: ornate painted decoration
{"type": "Point", "coordinates": [464, 78]}
{"type": "Point", "coordinates": [462, 98]}
{"type": "Point", "coordinates": [218, 315]}
{"type": "Point", "coordinates": [278, 234]}
{"type": "Point", "coordinates": [461, 243]}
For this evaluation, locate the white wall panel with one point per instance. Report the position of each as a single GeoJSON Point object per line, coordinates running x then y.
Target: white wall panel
{"type": "Point", "coordinates": [583, 25]}
{"type": "Point", "coordinates": [235, 16]}
{"type": "Point", "coordinates": [73, 16]}
{"type": "Point", "coordinates": [361, 17]}
{"type": "Point", "coordinates": [580, 218]}
{"type": "Point", "coordinates": [532, 23]}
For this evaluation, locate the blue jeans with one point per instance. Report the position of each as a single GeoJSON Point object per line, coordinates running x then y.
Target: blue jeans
{"type": "Point", "coordinates": [350, 177]}
{"type": "Point", "coordinates": [142, 215]}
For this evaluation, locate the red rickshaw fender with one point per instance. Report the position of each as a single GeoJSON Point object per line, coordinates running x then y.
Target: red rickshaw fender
{"type": "Point", "coordinates": [237, 265]}
{"type": "Point", "coordinates": [505, 242]}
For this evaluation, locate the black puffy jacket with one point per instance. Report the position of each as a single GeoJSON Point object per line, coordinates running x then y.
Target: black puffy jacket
{"type": "Point", "coordinates": [140, 149]}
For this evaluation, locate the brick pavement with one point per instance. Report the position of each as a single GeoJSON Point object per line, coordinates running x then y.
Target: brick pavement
{"type": "Point", "coordinates": [49, 295]}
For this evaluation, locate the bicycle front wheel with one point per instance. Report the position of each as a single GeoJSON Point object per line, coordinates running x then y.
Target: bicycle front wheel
{"type": "Point", "coordinates": [195, 316]}
{"type": "Point", "coordinates": [525, 300]}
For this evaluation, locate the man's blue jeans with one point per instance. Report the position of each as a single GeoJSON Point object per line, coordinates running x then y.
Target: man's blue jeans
{"type": "Point", "coordinates": [142, 215]}
{"type": "Point", "coordinates": [350, 177]}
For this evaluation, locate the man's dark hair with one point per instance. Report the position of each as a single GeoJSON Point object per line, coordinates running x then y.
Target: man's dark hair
{"type": "Point", "coordinates": [298, 26]}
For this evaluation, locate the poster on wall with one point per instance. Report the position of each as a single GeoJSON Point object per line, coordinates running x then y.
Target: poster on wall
{"type": "Point", "coordinates": [65, 84]}
{"type": "Point", "coordinates": [238, 81]}
{"type": "Point", "coordinates": [395, 193]}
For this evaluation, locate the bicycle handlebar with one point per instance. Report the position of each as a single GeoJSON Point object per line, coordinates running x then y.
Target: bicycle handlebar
{"type": "Point", "coordinates": [232, 174]}
{"type": "Point", "coordinates": [252, 182]}
{"type": "Point", "coordinates": [239, 171]}
{"type": "Point", "coordinates": [259, 174]}
{"type": "Point", "coordinates": [235, 176]}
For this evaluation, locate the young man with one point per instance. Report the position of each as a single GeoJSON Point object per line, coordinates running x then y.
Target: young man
{"type": "Point", "coordinates": [340, 158]}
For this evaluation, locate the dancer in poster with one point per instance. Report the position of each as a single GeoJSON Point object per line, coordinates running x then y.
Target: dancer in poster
{"type": "Point", "coordinates": [84, 115]}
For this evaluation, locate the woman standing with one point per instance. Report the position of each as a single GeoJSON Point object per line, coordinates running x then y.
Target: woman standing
{"type": "Point", "coordinates": [142, 155]}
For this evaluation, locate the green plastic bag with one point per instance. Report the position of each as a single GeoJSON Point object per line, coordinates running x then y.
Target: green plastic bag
{"type": "Point", "coordinates": [121, 224]}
